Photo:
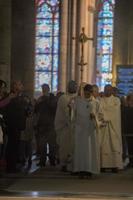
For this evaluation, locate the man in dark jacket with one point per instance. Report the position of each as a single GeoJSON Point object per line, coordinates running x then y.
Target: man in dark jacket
{"type": "Point", "coordinates": [16, 122]}
{"type": "Point", "coordinates": [127, 128]}
{"type": "Point", "coordinates": [45, 109]}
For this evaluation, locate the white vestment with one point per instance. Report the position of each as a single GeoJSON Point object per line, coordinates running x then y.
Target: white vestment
{"type": "Point", "coordinates": [86, 152]}
{"type": "Point", "coordinates": [110, 135]}
{"type": "Point", "coordinates": [63, 127]}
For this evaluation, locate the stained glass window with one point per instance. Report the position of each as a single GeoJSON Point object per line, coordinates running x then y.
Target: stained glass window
{"type": "Point", "coordinates": [47, 43]}
{"type": "Point", "coordinates": [104, 43]}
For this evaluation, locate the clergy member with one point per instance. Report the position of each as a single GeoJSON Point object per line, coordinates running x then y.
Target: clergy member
{"type": "Point", "coordinates": [110, 134]}
{"type": "Point", "coordinates": [63, 125]}
{"type": "Point", "coordinates": [86, 152]}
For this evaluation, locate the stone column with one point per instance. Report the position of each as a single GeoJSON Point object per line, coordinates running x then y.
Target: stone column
{"type": "Point", "coordinates": [82, 22]}
{"type": "Point", "coordinates": [63, 46]}
{"type": "Point", "coordinates": [5, 40]}
{"type": "Point", "coordinates": [82, 19]}
{"type": "Point", "coordinates": [87, 44]}
{"type": "Point", "coordinates": [23, 43]}
{"type": "Point", "coordinates": [74, 25]}
{"type": "Point", "coordinates": [77, 46]}
{"type": "Point", "coordinates": [91, 71]}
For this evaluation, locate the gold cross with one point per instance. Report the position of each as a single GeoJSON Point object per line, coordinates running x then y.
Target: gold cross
{"type": "Point", "coordinates": [82, 39]}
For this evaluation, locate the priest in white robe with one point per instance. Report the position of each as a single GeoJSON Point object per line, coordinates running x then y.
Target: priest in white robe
{"type": "Point", "coordinates": [64, 127]}
{"type": "Point", "coordinates": [86, 151]}
{"type": "Point", "coordinates": [110, 135]}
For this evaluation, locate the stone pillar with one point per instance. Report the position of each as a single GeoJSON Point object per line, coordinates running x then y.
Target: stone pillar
{"type": "Point", "coordinates": [85, 19]}
{"type": "Point", "coordinates": [63, 46]}
{"type": "Point", "coordinates": [82, 22]}
{"type": "Point", "coordinates": [77, 46]}
{"type": "Point", "coordinates": [74, 25]}
{"type": "Point", "coordinates": [5, 40]}
{"type": "Point", "coordinates": [23, 43]}
{"type": "Point", "coordinates": [69, 40]}
{"type": "Point", "coordinates": [91, 48]}
{"type": "Point", "coordinates": [87, 44]}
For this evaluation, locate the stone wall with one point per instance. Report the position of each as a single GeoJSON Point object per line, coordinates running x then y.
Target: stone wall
{"type": "Point", "coordinates": [123, 34]}
{"type": "Point", "coordinates": [5, 40]}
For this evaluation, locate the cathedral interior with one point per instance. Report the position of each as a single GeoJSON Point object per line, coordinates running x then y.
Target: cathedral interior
{"type": "Point", "coordinates": [53, 42]}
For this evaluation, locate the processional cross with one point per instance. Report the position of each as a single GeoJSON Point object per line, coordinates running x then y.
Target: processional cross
{"type": "Point", "coordinates": [82, 39]}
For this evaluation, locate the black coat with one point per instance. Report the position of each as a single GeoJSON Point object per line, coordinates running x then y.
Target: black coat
{"type": "Point", "coordinates": [16, 113]}
{"type": "Point", "coordinates": [46, 109]}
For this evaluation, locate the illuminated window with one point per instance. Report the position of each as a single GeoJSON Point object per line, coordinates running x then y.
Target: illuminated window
{"type": "Point", "coordinates": [104, 43]}
{"type": "Point", "coordinates": [47, 43]}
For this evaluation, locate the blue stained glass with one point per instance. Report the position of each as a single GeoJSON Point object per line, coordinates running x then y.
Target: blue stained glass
{"type": "Point", "coordinates": [103, 81]}
{"type": "Point", "coordinates": [56, 44]}
{"type": "Point", "coordinates": [105, 14]}
{"type": "Point", "coordinates": [56, 15]}
{"type": "Point", "coordinates": [43, 62]}
{"type": "Point", "coordinates": [105, 27]}
{"type": "Point", "coordinates": [105, 43]}
{"type": "Point", "coordinates": [44, 12]}
{"type": "Point", "coordinates": [47, 43]}
{"type": "Point", "coordinates": [55, 62]}
{"type": "Point", "coordinates": [105, 61]}
{"type": "Point", "coordinates": [107, 10]}
{"type": "Point", "coordinates": [53, 2]}
{"type": "Point", "coordinates": [44, 45]}
{"type": "Point", "coordinates": [42, 77]}
{"type": "Point", "coordinates": [46, 77]}
{"type": "Point", "coordinates": [56, 27]}
{"type": "Point", "coordinates": [44, 28]}
{"type": "Point", "coordinates": [55, 81]}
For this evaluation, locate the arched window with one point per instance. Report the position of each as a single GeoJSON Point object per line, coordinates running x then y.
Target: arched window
{"type": "Point", "coordinates": [47, 43]}
{"type": "Point", "coordinates": [104, 43]}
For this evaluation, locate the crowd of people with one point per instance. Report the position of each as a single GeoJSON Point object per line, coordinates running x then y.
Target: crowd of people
{"type": "Point", "coordinates": [83, 131]}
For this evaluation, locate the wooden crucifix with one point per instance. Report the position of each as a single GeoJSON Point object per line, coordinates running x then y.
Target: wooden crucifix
{"type": "Point", "coordinates": [82, 39]}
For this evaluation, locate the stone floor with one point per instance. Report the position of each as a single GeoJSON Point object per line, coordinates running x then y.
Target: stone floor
{"type": "Point", "coordinates": [62, 198]}
{"type": "Point", "coordinates": [50, 183]}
